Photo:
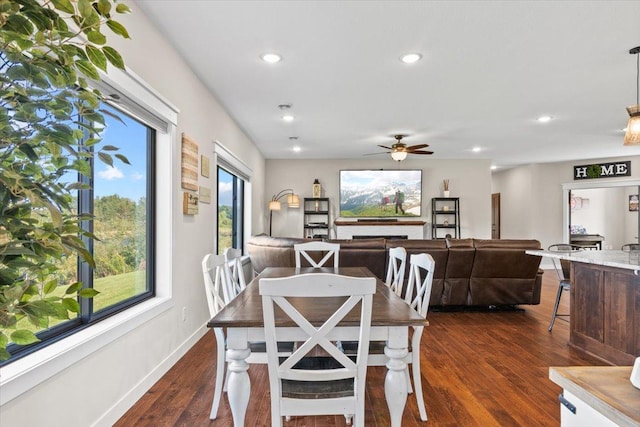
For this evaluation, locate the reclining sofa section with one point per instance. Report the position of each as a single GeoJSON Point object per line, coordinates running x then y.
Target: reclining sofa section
{"type": "Point", "coordinates": [469, 272]}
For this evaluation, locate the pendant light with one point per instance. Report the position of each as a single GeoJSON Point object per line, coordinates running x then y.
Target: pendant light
{"type": "Point", "coordinates": [632, 137]}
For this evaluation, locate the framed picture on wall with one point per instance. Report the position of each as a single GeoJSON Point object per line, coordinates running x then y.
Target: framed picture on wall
{"type": "Point", "coordinates": [633, 202]}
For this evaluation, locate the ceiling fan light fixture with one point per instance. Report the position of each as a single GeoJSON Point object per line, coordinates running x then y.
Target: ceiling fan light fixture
{"type": "Point", "coordinates": [398, 156]}
{"type": "Point", "coordinates": [632, 136]}
{"type": "Point", "coordinates": [411, 58]}
{"type": "Point", "coordinates": [271, 58]}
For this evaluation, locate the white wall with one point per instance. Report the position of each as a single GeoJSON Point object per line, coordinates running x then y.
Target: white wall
{"type": "Point", "coordinates": [99, 388]}
{"type": "Point", "coordinates": [469, 179]}
{"type": "Point", "coordinates": [531, 197]}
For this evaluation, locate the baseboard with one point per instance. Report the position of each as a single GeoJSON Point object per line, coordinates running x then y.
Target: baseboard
{"type": "Point", "coordinates": [114, 413]}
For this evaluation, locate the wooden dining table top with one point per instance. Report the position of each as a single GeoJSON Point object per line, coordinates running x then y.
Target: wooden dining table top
{"type": "Point", "coordinates": [245, 310]}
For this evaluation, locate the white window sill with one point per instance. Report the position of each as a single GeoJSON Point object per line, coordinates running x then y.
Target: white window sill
{"type": "Point", "coordinates": [22, 375]}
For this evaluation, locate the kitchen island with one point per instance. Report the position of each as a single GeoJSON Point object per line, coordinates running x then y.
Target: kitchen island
{"type": "Point", "coordinates": [605, 303]}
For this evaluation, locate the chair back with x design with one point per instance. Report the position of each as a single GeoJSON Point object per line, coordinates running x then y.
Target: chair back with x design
{"type": "Point", "coordinates": [305, 251]}
{"type": "Point", "coordinates": [395, 269]}
{"type": "Point", "coordinates": [305, 383]}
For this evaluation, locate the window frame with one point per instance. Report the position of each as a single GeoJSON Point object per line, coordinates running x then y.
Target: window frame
{"type": "Point", "coordinates": [237, 210]}
{"type": "Point", "coordinates": [228, 161]}
{"type": "Point", "coordinates": [142, 102]}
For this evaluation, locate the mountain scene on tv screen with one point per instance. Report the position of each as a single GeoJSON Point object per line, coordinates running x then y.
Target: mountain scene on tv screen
{"type": "Point", "coordinates": [379, 201]}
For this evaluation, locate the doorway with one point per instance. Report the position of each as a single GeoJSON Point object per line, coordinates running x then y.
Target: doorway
{"type": "Point", "coordinates": [495, 215]}
{"type": "Point", "coordinates": [607, 209]}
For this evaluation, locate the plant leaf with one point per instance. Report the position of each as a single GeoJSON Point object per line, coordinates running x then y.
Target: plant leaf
{"type": "Point", "coordinates": [64, 5]}
{"type": "Point", "coordinates": [23, 337]}
{"type": "Point", "coordinates": [118, 28]}
{"type": "Point", "coordinates": [88, 293]}
{"type": "Point", "coordinates": [96, 37]}
{"type": "Point", "coordinates": [106, 158]}
{"type": "Point", "coordinates": [19, 24]}
{"type": "Point", "coordinates": [73, 288]}
{"type": "Point", "coordinates": [104, 7]}
{"type": "Point", "coordinates": [71, 304]}
{"type": "Point", "coordinates": [123, 159]}
{"type": "Point", "coordinates": [113, 56]}
{"type": "Point", "coordinates": [87, 69]}
{"type": "Point", "coordinates": [97, 57]}
{"type": "Point", "coordinates": [122, 8]}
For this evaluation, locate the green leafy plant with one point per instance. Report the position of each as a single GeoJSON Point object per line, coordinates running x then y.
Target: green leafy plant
{"type": "Point", "coordinates": [594, 171]}
{"type": "Point", "coordinates": [49, 120]}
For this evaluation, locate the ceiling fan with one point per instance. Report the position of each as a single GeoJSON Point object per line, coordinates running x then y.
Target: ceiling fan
{"type": "Point", "coordinates": [399, 150]}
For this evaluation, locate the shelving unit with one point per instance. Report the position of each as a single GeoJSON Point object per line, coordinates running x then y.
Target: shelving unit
{"type": "Point", "coordinates": [445, 217]}
{"type": "Point", "coordinates": [316, 217]}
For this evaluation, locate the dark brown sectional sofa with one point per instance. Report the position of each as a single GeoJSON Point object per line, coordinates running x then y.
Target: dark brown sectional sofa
{"type": "Point", "coordinates": [469, 272]}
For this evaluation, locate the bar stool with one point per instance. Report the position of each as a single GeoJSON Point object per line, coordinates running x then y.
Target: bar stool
{"type": "Point", "coordinates": [563, 270]}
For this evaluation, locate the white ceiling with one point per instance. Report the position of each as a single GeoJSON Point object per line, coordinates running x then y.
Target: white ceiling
{"type": "Point", "coordinates": [489, 69]}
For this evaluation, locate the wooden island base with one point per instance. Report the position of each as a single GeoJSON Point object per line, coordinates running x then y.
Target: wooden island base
{"type": "Point", "coordinates": [605, 312]}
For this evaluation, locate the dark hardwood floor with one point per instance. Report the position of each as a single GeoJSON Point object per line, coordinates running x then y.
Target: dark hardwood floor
{"type": "Point", "coordinates": [478, 368]}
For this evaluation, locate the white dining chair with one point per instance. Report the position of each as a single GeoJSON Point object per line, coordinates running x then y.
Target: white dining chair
{"type": "Point", "coordinates": [216, 273]}
{"type": "Point", "coordinates": [304, 384]}
{"type": "Point", "coordinates": [213, 270]}
{"type": "Point", "coordinates": [305, 250]}
{"type": "Point", "coordinates": [237, 279]}
{"type": "Point", "coordinates": [395, 269]}
{"type": "Point", "coordinates": [421, 270]}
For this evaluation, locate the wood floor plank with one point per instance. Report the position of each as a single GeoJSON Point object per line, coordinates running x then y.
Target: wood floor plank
{"type": "Point", "coordinates": [478, 368]}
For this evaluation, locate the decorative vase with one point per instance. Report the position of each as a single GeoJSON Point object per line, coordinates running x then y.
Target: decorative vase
{"type": "Point", "coordinates": [317, 189]}
{"type": "Point", "coordinates": [445, 193]}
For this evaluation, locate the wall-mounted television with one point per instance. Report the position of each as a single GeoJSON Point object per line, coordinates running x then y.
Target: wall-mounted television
{"type": "Point", "coordinates": [378, 193]}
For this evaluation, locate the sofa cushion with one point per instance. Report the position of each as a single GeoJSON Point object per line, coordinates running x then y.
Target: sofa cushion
{"type": "Point", "coordinates": [266, 251]}
{"type": "Point", "coordinates": [503, 274]}
{"type": "Point", "coordinates": [363, 252]}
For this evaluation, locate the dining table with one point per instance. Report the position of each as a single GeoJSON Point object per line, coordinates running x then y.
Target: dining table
{"type": "Point", "coordinates": [390, 321]}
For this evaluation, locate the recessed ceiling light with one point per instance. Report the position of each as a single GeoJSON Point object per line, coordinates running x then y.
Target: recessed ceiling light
{"type": "Point", "coordinates": [410, 58]}
{"type": "Point", "coordinates": [544, 119]}
{"type": "Point", "coordinates": [271, 58]}
{"type": "Point", "coordinates": [476, 149]}
{"type": "Point", "coordinates": [493, 167]}
{"type": "Point", "coordinates": [288, 118]}
{"type": "Point", "coordinates": [296, 148]}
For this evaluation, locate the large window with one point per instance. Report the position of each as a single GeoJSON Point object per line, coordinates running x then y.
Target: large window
{"type": "Point", "coordinates": [230, 210]}
{"type": "Point", "coordinates": [121, 200]}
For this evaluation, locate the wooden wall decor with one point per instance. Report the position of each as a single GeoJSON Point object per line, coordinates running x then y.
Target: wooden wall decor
{"type": "Point", "coordinates": [189, 163]}
{"type": "Point", "coordinates": [189, 203]}
{"type": "Point", "coordinates": [205, 195]}
{"type": "Point", "coordinates": [205, 166]}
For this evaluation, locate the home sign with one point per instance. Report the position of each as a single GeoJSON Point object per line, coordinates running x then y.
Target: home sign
{"type": "Point", "coordinates": [602, 170]}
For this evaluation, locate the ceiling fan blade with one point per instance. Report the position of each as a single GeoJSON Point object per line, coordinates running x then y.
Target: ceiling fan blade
{"type": "Point", "coordinates": [417, 147]}
{"type": "Point", "coordinates": [384, 146]}
{"type": "Point", "coordinates": [373, 154]}
{"type": "Point", "coordinates": [420, 152]}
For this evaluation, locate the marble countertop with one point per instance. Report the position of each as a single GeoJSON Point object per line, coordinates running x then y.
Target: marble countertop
{"type": "Point", "coordinates": [621, 259]}
{"type": "Point", "coordinates": [606, 389]}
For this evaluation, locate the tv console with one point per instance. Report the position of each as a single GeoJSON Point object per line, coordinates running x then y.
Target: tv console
{"type": "Point", "coordinates": [412, 229]}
